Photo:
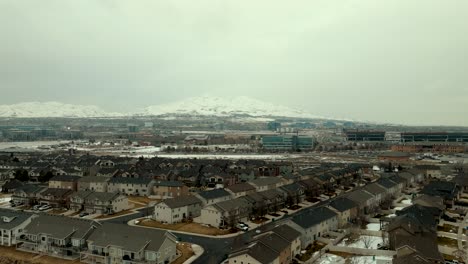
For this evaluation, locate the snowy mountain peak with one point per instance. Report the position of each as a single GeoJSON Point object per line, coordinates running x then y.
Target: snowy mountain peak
{"type": "Point", "coordinates": [52, 109]}
{"type": "Point", "coordinates": [217, 106]}
{"type": "Point", "coordinates": [240, 106]}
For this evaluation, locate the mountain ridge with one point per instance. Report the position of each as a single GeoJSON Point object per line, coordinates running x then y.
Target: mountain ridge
{"type": "Point", "coordinates": [203, 106]}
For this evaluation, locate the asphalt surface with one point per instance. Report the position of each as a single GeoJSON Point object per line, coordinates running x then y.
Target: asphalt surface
{"type": "Point", "coordinates": [215, 249]}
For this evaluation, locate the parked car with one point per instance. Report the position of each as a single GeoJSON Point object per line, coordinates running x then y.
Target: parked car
{"type": "Point", "coordinates": [243, 227]}
{"type": "Point", "coordinates": [36, 207]}
{"type": "Point", "coordinates": [45, 207]}
{"type": "Point", "coordinates": [83, 214]}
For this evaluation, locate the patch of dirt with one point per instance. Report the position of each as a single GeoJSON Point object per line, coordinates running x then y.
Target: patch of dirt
{"type": "Point", "coordinates": [9, 255]}
{"type": "Point", "coordinates": [186, 227]}
{"type": "Point", "coordinates": [186, 252]}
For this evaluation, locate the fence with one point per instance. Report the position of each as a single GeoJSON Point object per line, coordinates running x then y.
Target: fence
{"type": "Point", "coordinates": [362, 251]}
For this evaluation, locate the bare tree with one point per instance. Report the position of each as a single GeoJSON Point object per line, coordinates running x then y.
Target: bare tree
{"type": "Point", "coordinates": [367, 241]}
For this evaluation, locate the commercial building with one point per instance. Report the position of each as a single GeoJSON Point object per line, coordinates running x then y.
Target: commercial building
{"type": "Point", "coordinates": [364, 135]}
{"type": "Point", "coordinates": [288, 142]}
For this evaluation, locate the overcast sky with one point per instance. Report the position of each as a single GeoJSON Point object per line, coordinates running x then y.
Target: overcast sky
{"type": "Point", "coordinates": [403, 61]}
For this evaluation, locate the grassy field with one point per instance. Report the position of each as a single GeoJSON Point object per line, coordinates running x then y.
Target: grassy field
{"type": "Point", "coordinates": [186, 227]}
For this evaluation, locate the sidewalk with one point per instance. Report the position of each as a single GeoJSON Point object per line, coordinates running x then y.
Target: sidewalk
{"type": "Point", "coordinates": [198, 251]}
{"type": "Point", "coordinates": [132, 223]}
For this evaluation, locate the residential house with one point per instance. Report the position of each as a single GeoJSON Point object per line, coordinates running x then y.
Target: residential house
{"type": "Point", "coordinates": [346, 209]}
{"type": "Point", "coordinates": [226, 214]}
{"type": "Point", "coordinates": [93, 183]}
{"type": "Point", "coordinates": [430, 201]}
{"type": "Point", "coordinates": [378, 192]}
{"type": "Point", "coordinates": [314, 223]}
{"type": "Point", "coordinates": [274, 199]}
{"type": "Point", "coordinates": [414, 236]}
{"type": "Point", "coordinates": [177, 209]}
{"type": "Point", "coordinates": [241, 189]}
{"type": "Point", "coordinates": [267, 183]}
{"type": "Point", "coordinates": [11, 186]}
{"type": "Point", "coordinates": [64, 182]}
{"type": "Point", "coordinates": [429, 171]}
{"type": "Point", "coordinates": [12, 224]}
{"type": "Point", "coordinates": [169, 189]}
{"type": "Point", "coordinates": [363, 199]}
{"type": "Point", "coordinates": [42, 236]}
{"type": "Point", "coordinates": [27, 194]}
{"type": "Point", "coordinates": [393, 189]}
{"type": "Point", "coordinates": [57, 198]}
{"type": "Point", "coordinates": [213, 196]}
{"type": "Point", "coordinates": [447, 190]}
{"type": "Point", "coordinates": [311, 188]}
{"type": "Point", "coordinates": [105, 203]}
{"type": "Point", "coordinates": [291, 235]}
{"type": "Point", "coordinates": [122, 244]}
{"type": "Point", "coordinates": [295, 193]}
{"type": "Point", "coordinates": [257, 253]}
{"type": "Point", "coordinates": [77, 199]}
{"type": "Point", "coordinates": [131, 186]}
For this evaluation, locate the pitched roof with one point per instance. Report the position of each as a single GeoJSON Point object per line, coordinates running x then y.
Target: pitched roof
{"type": "Point", "coordinates": [241, 187]}
{"type": "Point", "coordinates": [181, 201]}
{"type": "Point", "coordinates": [386, 183]}
{"type": "Point", "coordinates": [129, 238]}
{"type": "Point", "coordinates": [65, 178]}
{"type": "Point", "coordinates": [312, 217]}
{"type": "Point", "coordinates": [287, 232]}
{"type": "Point", "coordinates": [231, 205]}
{"type": "Point", "coordinates": [262, 253]}
{"type": "Point", "coordinates": [103, 196]}
{"type": "Point", "coordinates": [93, 179]}
{"type": "Point", "coordinates": [444, 189]}
{"type": "Point", "coordinates": [169, 183]}
{"type": "Point", "coordinates": [359, 196]}
{"type": "Point", "coordinates": [264, 181]}
{"type": "Point", "coordinates": [374, 189]}
{"type": "Point", "coordinates": [275, 242]}
{"type": "Point", "coordinates": [342, 204]}
{"type": "Point", "coordinates": [214, 194]}
{"type": "Point", "coordinates": [47, 224]}
{"type": "Point", "coordinates": [10, 218]}
{"type": "Point", "coordinates": [81, 194]}
{"type": "Point", "coordinates": [128, 180]}
{"type": "Point", "coordinates": [56, 192]}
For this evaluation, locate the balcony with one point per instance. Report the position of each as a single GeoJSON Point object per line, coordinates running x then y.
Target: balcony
{"type": "Point", "coordinates": [92, 258]}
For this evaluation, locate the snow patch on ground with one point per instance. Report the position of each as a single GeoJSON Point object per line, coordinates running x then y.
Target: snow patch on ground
{"type": "Point", "coordinates": [407, 201]}
{"type": "Point", "coordinates": [373, 226]}
{"type": "Point", "coordinates": [369, 242]}
{"type": "Point", "coordinates": [334, 259]}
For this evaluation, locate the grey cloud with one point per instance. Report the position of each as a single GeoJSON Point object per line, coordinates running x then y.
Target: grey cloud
{"type": "Point", "coordinates": [395, 61]}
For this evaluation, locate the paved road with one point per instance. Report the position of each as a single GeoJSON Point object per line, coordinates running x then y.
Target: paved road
{"type": "Point", "coordinates": [216, 249]}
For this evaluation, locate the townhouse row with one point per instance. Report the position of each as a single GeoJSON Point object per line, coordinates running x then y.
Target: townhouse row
{"type": "Point", "coordinates": [85, 240]}
{"type": "Point", "coordinates": [223, 208]}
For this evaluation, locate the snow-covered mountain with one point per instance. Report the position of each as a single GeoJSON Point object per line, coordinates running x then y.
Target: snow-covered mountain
{"type": "Point", "coordinates": [204, 106]}
{"type": "Point", "coordinates": [53, 109]}
{"type": "Point", "coordinates": [221, 107]}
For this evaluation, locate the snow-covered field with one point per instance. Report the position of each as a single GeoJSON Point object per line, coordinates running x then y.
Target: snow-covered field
{"type": "Point", "coordinates": [30, 145]}
{"type": "Point", "coordinates": [373, 226]}
{"type": "Point", "coordinates": [334, 259]}
{"type": "Point", "coordinates": [368, 242]}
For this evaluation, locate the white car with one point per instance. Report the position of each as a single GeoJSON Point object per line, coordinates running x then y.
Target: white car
{"type": "Point", "coordinates": [45, 207]}
{"type": "Point", "coordinates": [243, 227]}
